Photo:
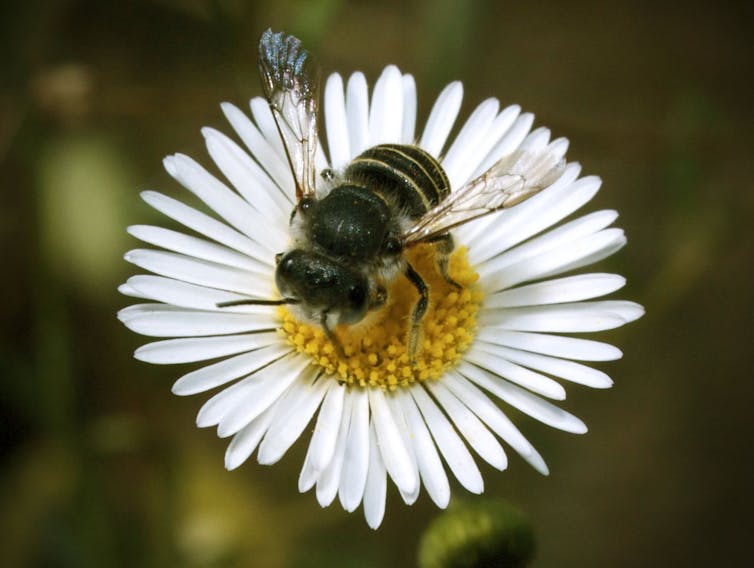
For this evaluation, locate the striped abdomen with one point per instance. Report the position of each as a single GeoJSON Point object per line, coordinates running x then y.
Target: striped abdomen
{"type": "Point", "coordinates": [406, 175]}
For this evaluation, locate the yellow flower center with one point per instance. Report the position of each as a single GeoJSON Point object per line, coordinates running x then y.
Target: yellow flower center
{"type": "Point", "coordinates": [376, 349]}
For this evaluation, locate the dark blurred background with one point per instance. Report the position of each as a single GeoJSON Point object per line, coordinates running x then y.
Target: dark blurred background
{"type": "Point", "coordinates": [102, 466]}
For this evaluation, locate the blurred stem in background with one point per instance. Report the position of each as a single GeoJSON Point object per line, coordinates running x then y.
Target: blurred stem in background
{"type": "Point", "coordinates": [479, 534]}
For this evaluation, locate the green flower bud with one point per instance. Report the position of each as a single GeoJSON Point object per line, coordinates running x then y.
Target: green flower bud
{"type": "Point", "coordinates": [487, 534]}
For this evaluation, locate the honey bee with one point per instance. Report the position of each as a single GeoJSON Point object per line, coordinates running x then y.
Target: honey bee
{"type": "Point", "coordinates": [349, 241]}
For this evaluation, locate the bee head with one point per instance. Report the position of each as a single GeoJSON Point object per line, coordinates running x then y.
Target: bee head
{"type": "Point", "coordinates": [323, 285]}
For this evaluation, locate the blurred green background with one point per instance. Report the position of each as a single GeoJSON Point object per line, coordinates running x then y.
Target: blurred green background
{"type": "Point", "coordinates": [102, 466]}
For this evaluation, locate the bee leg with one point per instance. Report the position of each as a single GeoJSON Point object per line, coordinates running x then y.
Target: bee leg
{"type": "Point", "coordinates": [331, 336]}
{"type": "Point", "coordinates": [419, 310]}
{"type": "Point", "coordinates": [444, 246]}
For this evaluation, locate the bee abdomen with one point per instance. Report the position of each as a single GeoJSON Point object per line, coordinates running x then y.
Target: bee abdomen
{"type": "Point", "coordinates": [404, 174]}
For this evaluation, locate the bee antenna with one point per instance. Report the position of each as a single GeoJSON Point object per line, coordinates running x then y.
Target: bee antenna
{"type": "Point", "coordinates": [257, 302]}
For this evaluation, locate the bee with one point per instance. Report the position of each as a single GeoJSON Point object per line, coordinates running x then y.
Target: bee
{"type": "Point", "coordinates": [349, 241]}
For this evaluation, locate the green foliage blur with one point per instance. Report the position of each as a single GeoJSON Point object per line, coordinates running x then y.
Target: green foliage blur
{"type": "Point", "coordinates": [101, 466]}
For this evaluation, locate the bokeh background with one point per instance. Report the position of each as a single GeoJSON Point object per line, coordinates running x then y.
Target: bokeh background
{"type": "Point", "coordinates": [102, 466]}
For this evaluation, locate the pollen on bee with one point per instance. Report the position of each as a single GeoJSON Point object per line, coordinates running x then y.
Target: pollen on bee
{"type": "Point", "coordinates": [377, 352]}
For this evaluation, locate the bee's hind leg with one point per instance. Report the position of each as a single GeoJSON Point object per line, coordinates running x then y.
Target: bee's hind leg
{"type": "Point", "coordinates": [414, 333]}
{"type": "Point", "coordinates": [444, 245]}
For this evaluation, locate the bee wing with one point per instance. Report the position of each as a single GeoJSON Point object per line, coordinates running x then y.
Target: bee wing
{"type": "Point", "coordinates": [290, 88]}
{"type": "Point", "coordinates": [511, 180]}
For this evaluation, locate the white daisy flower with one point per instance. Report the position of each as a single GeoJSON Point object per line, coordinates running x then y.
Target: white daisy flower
{"type": "Point", "coordinates": [378, 413]}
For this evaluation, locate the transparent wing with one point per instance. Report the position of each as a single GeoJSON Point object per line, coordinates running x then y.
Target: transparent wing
{"type": "Point", "coordinates": [511, 180]}
{"type": "Point", "coordinates": [290, 88]}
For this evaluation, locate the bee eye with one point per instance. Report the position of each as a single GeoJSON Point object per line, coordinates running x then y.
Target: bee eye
{"type": "Point", "coordinates": [327, 174]}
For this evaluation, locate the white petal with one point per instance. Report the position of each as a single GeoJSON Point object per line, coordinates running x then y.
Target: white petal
{"type": "Point", "coordinates": [490, 414]}
{"type": "Point", "coordinates": [395, 455]}
{"type": "Point", "coordinates": [265, 122]}
{"type": "Point", "coordinates": [293, 412]}
{"type": "Point", "coordinates": [488, 357]}
{"type": "Point", "coordinates": [190, 350]}
{"type": "Point", "coordinates": [503, 123]}
{"type": "Point", "coordinates": [400, 421]}
{"type": "Point", "coordinates": [224, 371]}
{"type": "Point", "coordinates": [386, 111]}
{"type": "Point", "coordinates": [336, 122]}
{"type": "Point", "coordinates": [128, 290]}
{"type": "Point", "coordinates": [567, 289]}
{"type": "Point", "coordinates": [203, 273]}
{"type": "Point", "coordinates": [159, 320]}
{"type": "Point", "coordinates": [229, 205]}
{"type": "Point", "coordinates": [554, 345]}
{"type": "Point", "coordinates": [247, 439]}
{"type": "Point", "coordinates": [476, 434]}
{"type": "Point", "coordinates": [308, 477]}
{"type": "Point", "coordinates": [327, 484]}
{"type": "Point", "coordinates": [258, 392]}
{"type": "Point", "coordinates": [408, 130]}
{"type": "Point", "coordinates": [193, 246]}
{"type": "Point", "coordinates": [512, 226]}
{"type": "Point", "coordinates": [375, 490]}
{"type": "Point", "coordinates": [568, 370]}
{"type": "Point", "coordinates": [564, 318]}
{"type": "Point", "coordinates": [357, 111]}
{"type": "Point", "coordinates": [514, 137]}
{"type": "Point", "coordinates": [472, 167]}
{"type": "Point", "coordinates": [559, 147]}
{"type": "Point", "coordinates": [217, 408]}
{"type": "Point", "coordinates": [448, 442]}
{"type": "Point", "coordinates": [430, 467]}
{"type": "Point", "coordinates": [193, 296]}
{"type": "Point", "coordinates": [525, 401]}
{"type": "Point", "coordinates": [465, 147]}
{"type": "Point", "coordinates": [353, 477]}
{"type": "Point", "coordinates": [556, 238]}
{"type": "Point", "coordinates": [510, 139]}
{"type": "Point", "coordinates": [441, 118]}
{"type": "Point", "coordinates": [564, 258]}
{"type": "Point", "coordinates": [537, 140]}
{"type": "Point", "coordinates": [496, 233]}
{"type": "Point", "coordinates": [248, 178]}
{"type": "Point", "coordinates": [322, 444]}
{"type": "Point", "coordinates": [260, 147]}
{"type": "Point", "coordinates": [202, 223]}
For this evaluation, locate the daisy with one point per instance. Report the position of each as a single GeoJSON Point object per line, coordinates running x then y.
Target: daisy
{"type": "Point", "coordinates": [375, 412]}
